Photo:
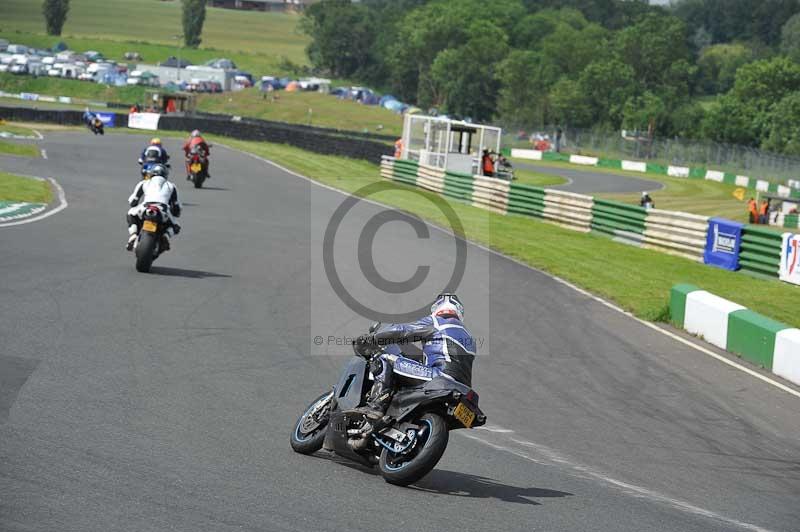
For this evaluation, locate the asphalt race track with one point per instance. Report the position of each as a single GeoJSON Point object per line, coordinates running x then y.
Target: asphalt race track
{"type": "Point", "coordinates": [585, 181]}
{"type": "Point", "coordinates": [164, 401]}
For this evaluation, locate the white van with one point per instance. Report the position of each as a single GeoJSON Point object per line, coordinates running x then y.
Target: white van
{"type": "Point", "coordinates": [17, 49]}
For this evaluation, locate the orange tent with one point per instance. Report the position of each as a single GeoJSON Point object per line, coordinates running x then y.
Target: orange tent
{"type": "Point", "coordinates": [293, 86]}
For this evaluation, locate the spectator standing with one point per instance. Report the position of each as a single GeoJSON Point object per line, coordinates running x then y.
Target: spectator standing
{"type": "Point", "coordinates": [487, 164]}
{"type": "Point", "coordinates": [762, 212]}
{"type": "Point", "coordinates": [752, 209]}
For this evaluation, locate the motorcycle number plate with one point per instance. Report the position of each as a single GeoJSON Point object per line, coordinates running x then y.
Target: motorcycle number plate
{"type": "Point", "coordinates": [150, 226]}
{"type": "Point", "coordinates": [464, 414]}
{"type": "Point", "coordinates": [195, 167]}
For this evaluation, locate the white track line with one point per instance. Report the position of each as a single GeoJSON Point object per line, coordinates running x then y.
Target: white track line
{"type": "Point", "coordinates": [62, 204]}
{"type": "Point", "coordinates": [608, 304]}
{"type": "Point", "coordinates": [44, 153]}
{"type": "Point", "coordinates": [554, 457]}
{"type": "Point", "coordinates": [39, 136]}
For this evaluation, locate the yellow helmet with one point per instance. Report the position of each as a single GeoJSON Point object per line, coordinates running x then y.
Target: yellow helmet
{"type": "Point", "coordinates": [155, 141]}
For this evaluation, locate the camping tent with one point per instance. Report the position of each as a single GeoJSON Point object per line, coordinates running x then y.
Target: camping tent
{"type": "Point", "coordinates": [292, 86]}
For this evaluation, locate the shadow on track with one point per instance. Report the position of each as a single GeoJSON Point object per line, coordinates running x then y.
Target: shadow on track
{"type": "Point", "coordinates": [464, 485]}
{"type": "Point", "coordinates": [457, 484]}
{"type": "Point", "coordinates": [189, 274]}
{"type": "Point", "coordinates": [213, 188]}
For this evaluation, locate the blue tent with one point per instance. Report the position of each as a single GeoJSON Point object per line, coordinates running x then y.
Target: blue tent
{"type": "Point", "coordinates": [394, 105]}
{"type": "Point", "coordinates": [386, 98]}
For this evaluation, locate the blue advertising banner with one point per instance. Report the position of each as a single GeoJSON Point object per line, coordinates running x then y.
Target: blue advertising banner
{"type": "Point", "coordinates": [723, 240]}
{"type": "Point", "coordinates": [107, 118]}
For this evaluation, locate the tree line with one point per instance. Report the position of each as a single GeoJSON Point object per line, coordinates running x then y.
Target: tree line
{"type": "Point", "coordinates": [605, 64]}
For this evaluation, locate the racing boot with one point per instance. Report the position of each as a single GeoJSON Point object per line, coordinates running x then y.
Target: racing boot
{"type": "Point", "coordinates": [132, 237]}
{"type": "Point", "coordinates": [377, 402]}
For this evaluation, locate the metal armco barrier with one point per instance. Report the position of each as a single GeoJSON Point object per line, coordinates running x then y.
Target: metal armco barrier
{"type": "Point", "coordinates": [311, 140]}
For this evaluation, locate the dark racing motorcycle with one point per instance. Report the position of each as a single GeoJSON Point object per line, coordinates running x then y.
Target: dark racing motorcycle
{"type": "Point", "coordinates": [419, 418]}
{"type": "Point", "coordinates": [96, 126]}
{"type": "Point", "coordinates": [150, 242]}
{"type": "Point", "coordinates": [197, 163]}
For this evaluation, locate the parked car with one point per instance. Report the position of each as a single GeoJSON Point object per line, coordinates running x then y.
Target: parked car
{"type": "Point", "coordinates": [3, 45]}
{"type": "Point", "coordinates": [16, 49]}
{"type": "Point", "coordinates": [18, 68]}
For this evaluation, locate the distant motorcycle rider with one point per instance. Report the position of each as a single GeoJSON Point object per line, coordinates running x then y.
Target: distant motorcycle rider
{"type": "Point", "coordinates": [88, 116]}
{"type": "Point", "coordinates": [154, 188]}
{"type": "Point", "coordinates": [196, 141]}
{"type": "Point", "coordinates": [153, 153]}
{"type": "Point", "coordinates": [448, 348]}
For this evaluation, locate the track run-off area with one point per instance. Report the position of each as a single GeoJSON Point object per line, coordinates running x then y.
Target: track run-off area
{"type": "Point", "coordinates": [164, 401]}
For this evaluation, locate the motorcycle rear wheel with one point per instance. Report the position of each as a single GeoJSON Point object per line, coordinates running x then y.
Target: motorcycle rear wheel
{"type": "Point", "coordinates": [309, 432]}
{"type": "Point", "coordinates": [403, 470]}
{"type": "Point", "coordinates": [145, 250]}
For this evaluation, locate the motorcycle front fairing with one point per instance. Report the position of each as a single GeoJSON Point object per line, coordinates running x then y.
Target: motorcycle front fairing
{"type": "Point", "coordinates": [348, 394]}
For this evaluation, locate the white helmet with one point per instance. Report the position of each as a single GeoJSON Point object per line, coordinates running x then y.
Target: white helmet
{"type": "Point", "coordinates": [447, 305]}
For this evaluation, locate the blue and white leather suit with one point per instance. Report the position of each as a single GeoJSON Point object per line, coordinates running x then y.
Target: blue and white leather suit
{"type": "Point", "coordinates": [447, 346]}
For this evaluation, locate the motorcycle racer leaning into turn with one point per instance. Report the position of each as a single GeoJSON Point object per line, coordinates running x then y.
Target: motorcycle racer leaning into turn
{"type": "Point", "coordinates": [448, 349]}
{"type": "Point", "coordinates": [154, 188]}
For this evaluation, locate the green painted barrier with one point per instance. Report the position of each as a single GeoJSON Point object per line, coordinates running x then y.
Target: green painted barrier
{"type": "Point", "coordinates": [618, 220]}
{"type": "Point", "coordinates": [760, 251]}
{"type": "Point", "coordinates": [697, 173]}
{"type": "Point", "coordinates": [677, 303]}
{"type": "Point", "coordinates": [610, 163]}
{"type": "Point", "coordinates": [790, 221]}
{"type": "Point", "coordinates": [752, 336]}
{"type": "Point", "coordinates": [729, 178]}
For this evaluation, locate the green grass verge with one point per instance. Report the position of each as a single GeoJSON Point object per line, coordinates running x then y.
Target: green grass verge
{"type": "Point", "coordinates": [697, 196]}
{"type": "Point", "coordinates": [539, 179]}
{"type": "Point", "coordinates": [637, 279]}
{"type": "Point", "coordinates": [256, 41]}
{"type": "Point", "coordinates": [70, 87]}
{"type": "Point", "coordinates": [293, 107]}
{"type": "Point", "coordinates": [18, 188]}
{"type": "Point", "coordinates": [15, 129]}
{"type": "Point", "coordinates": [20, 150]}
{"type": "Point", "coordinates": [325, 110]}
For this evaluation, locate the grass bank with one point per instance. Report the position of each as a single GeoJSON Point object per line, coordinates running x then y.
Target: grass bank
{"type": "Point", "coordinates": [256, 41]}
{"type": "Point", "coordinates": [17, 149]}
{"type": "Point", "coordinates": [18, 188]}
{"type": "Point", "coordinates": [637, 279]}
{"type": "Point", "coordinates": [304, 108]}
{"type": "Point", "coordinates": [15, 129]}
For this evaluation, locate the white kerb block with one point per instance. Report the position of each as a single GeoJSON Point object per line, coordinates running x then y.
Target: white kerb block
{"type": "Point", "coordinates": [742, 181]}
{"type": "Point", "coordinates": [786, 358]}
{"type": "Point", "coordinates": [678, 171]}
{"type": "Point", "coordinates": [634, 166]}
{"type": "Point", "coordinates": [707, 316]}
{"type": "Point", "coordinates": [715, 175]}
{"type": "Point", "coordinates": [583, 159]}
{"type": "Point", "coordinates": [762, 186]}
{"type": "Point", "coordinates": [534, 155]}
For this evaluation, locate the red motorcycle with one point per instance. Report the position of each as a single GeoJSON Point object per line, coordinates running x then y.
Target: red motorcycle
{"type": "Point", "coordinates": [197, 166]}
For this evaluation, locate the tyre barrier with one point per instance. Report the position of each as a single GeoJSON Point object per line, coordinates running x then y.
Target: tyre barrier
{"type": "Point", "coordinates": [677, 233]}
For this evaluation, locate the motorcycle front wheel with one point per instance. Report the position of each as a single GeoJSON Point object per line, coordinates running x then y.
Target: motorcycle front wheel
{"type": "Point", "coordinates": [406, 468]}
{"type": "Point", "coordinates": [309, 431]}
